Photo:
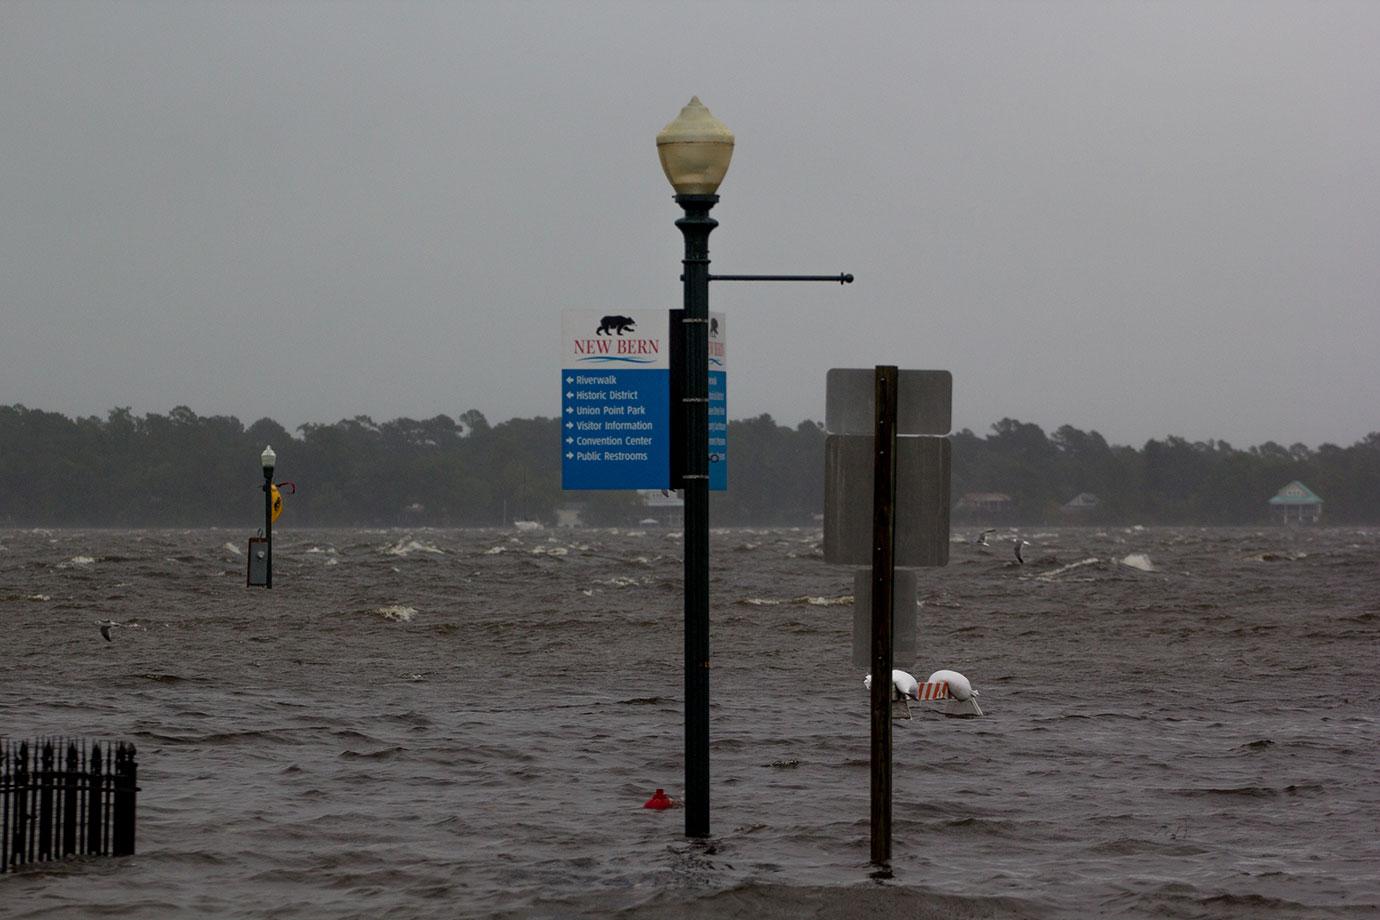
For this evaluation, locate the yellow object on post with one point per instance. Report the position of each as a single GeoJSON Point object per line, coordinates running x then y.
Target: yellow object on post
{"type": "Point", "coordinates": [277, 503]}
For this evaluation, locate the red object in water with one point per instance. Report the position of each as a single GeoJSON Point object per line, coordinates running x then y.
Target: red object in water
{"type": "Point", "coordinates": [658, 801]}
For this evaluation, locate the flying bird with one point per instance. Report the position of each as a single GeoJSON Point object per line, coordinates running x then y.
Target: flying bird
{"type": "Point", "coordinates": [105, 626]}
{"type": "Point", "coordinates": [981, 539]}
{"type": "Point", "coordinates": [1020, 560]}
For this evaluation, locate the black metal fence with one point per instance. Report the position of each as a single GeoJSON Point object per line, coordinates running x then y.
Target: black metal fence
{"type": "Point", "coordinates": [56, 803]}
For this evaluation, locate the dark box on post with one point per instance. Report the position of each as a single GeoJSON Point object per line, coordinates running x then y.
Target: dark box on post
{"type": "Point", "coordinates": [258, 562]}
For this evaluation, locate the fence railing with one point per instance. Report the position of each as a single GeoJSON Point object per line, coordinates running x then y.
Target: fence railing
{"type": "Point", "coordinates": [56, 803]}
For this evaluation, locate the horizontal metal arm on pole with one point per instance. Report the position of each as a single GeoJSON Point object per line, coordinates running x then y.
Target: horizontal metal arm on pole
{"type": "Point", "coordinates": [837, 279]}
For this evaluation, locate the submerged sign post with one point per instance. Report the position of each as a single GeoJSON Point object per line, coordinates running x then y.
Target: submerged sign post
{"type": "Point", "coordinates": [615, 400]}
{"type": "Point", "coordinates": [886, 503]}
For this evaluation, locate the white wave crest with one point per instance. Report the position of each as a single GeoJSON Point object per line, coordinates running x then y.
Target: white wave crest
{"type": "Point", "coordinates": [806, 599]}
{"type": "Point", "coordinates": [1139, 561]}
{"type": "Point", "coordinates": [827, 601]}
{"type": "Point", "coordinates": [232, 549]}
{"type": "Point", "coordinates": [408, 547]}
{"type": "Point", "coordinates": [397, 613]}
{"type": "Point", "coordinates": [619, 581]}
{"type": "Point", "coordinates": [1082, 563]}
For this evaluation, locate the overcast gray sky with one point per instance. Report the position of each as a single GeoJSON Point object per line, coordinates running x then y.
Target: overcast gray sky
{"type": "Point", "coordinates": [1140, 218]}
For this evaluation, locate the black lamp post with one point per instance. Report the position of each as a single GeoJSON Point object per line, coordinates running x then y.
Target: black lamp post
{"type": "Point", "coordinates": [695, 150]}
{"type": "Point", "coordinates": [268, 459]}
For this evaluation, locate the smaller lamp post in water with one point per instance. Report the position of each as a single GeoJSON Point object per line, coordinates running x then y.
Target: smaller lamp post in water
{"type": "Point", "coordinates": [268, 459]}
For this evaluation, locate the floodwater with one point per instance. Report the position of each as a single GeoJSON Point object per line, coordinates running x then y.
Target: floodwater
{"type": "Point", "coordinates": [1179, 723]}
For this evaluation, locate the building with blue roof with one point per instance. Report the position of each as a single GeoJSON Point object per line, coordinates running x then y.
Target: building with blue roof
{"type": "Point", "coordinates": [1296, 503]}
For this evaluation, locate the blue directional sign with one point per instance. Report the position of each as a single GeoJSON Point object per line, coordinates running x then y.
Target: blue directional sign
{"type": "Point", "coordinates": [718, 402]}
{"type": "Point", "coordinates": [615, 400]}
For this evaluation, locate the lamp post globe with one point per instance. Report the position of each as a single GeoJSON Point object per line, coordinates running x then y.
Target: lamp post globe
{"type": "Point", "coordinates": [695, 150]}
{"type": "Point", "coordinates": [268, 459]}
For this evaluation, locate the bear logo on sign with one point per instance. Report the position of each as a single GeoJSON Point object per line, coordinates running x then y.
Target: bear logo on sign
{"type": "Point", "coordinates": [619, 324]}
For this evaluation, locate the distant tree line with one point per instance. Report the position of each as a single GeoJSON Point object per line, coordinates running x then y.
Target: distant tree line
{"type": "Point", "coordinates": [1170, 481]}
{"type": "Point", "coordinates": [182, 469]}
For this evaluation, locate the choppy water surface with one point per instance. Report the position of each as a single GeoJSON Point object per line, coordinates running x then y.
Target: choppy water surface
{"type": "Point", "coordinates": [465, 723]}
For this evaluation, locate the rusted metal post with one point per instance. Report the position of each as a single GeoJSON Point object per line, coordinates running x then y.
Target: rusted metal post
{"type": "Point", "coordinates": [6, 793]}
{"type": "Point", "coordinates": [45, 803]}
{"type": "Point", "coordinates": [883, 593]}
{"type": "Point", "coordinates": [126, 788]}
{"type": "Point", "coordinates": [94, 780]}
{"type": "Point", "coordinates": [4, 807]}
{"type": "Point", "coordinates": [20, 787]}
{"type": "Point", "coordinates": [70, 781]}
